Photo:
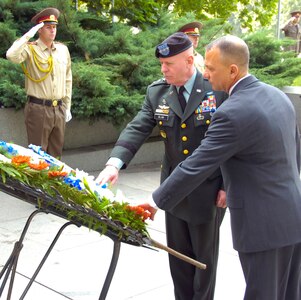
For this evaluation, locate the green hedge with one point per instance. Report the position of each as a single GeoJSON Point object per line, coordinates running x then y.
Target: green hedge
{"type": "Point", "coordinates": [112, 66]}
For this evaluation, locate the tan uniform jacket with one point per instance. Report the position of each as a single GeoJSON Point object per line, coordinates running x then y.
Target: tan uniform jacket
{"type": "Point", "coordinates": [293, 31]}
{"type": "Point", "coordinates": [58, 85]}
{"type": "Point", "coordinates": [199, 62]}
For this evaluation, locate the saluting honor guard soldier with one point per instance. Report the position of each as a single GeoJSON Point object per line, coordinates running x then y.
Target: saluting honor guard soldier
{"type": "Point", "coordinates": [193, 32]}
{"type": "Point", "coordinates": [292, 30]}
{"type": "Point", "coordinates": [183, 119]}
{"type": "Point", "coordinates": [48, 82]}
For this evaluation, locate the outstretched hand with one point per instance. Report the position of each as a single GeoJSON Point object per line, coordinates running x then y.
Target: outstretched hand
{"type": "Point", "coordinates": [151, 209]}
{"type": "Point", "coordinates": [221, 199]}
{"type": "Point", "coordinates": [108, 174]}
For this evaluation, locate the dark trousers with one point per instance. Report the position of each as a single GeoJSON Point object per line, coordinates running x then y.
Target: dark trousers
{"type": "Point", "coordinates": [200, 242]}
{"type": "Point", "coordinates": [45, 127]}
{"type": "Point", "coordinates": [273, 274]}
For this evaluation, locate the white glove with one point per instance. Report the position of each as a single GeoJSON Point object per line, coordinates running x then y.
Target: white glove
{"type": "Point", "coordinates": [34, 30]}
{"type": "Point", "coordinates": [68, 115]}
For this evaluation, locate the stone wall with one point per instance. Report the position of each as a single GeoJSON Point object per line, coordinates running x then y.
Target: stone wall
{"type": "Point", "coordinates": [88, 146]}
{"type": "Point", "coordinates": [78, 133]}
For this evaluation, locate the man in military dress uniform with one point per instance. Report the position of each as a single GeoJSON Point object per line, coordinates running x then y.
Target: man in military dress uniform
{"type": "Point", "coordinates": [193, 32]}
{"type": "Point", "coordinates": [292, 30]}
{"type": "Point", "coordinates": [48, 82]}
{"type": "Point", "coordinates": [192, 227]}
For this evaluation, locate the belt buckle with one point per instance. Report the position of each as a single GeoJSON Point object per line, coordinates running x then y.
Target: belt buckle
{"type": "Point", "coordinates": [54, 102]}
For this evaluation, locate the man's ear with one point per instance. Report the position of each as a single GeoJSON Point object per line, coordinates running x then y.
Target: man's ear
{"type": "Point", "coordinates": [233, 70]}
{"type": "Point", "coordinates": [190, 59]}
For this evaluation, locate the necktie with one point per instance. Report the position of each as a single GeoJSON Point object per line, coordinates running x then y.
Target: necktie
{"type": "Point", "coordinates": [181, 97]}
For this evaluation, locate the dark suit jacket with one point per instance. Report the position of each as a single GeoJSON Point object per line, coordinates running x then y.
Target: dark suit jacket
{"type": "Point", "coordinates": [254, 138]}
{"type": "Point", "coordinates": [179, 131]}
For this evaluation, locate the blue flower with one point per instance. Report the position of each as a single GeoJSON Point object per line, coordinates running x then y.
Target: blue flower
{"type": "Point", "coordinates": [73, 182]}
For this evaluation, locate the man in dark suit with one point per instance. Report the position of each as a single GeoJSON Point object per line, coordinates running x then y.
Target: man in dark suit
{"type": "Point", "coordinates": [193, 226]}
{"type": "Point", "coordinates": [254, 138]}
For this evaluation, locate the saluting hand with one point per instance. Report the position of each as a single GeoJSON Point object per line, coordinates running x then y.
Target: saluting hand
{"type": "Point", "coordinates": [34, 29]}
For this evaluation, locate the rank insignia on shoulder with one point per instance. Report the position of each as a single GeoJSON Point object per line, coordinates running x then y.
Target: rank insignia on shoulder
{"type": "Point", "coordinates": [161, 81]}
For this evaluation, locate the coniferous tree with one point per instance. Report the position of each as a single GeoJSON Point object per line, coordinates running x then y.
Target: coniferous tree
{"type": "Point", "coordinates": [113, 63]}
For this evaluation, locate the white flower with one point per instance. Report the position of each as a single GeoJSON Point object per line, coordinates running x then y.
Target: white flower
{"type": "Point", "coordinates": [4, 159]}
{"type": "Point", "coordinates": [103, 192]}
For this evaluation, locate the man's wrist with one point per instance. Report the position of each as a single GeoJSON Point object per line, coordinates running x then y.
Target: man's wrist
{"type": "Point", "coordinates": [152, 203]}
{"type": "Point", "coordinates": [115, 162]}
{"type": "Point", "coordinates": [110, 165]}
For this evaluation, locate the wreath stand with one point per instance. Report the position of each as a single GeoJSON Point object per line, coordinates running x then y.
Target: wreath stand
{"type": "Point", "coordinates": [57, 206]}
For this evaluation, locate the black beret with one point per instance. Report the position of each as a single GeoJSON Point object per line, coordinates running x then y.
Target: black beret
{"type": "Point", "coordinates": [173, 45]}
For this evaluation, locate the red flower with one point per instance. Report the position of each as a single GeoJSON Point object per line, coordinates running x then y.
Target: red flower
{"type": "Point", "coordinates": [57, 174]}
{"type": "Point", "coordinates": [144, 214]}
{"type": "Point", "coordinates": [20, 159]}
{"type": "Point", "coordinates": [40, 166]}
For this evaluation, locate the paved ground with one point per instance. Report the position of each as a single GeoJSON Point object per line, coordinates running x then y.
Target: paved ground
{"type": "Point", "coordinates": [78, 264]}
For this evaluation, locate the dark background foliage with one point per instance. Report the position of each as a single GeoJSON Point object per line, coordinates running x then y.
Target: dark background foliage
{"type": "Point", "coordinates": [114, 62]}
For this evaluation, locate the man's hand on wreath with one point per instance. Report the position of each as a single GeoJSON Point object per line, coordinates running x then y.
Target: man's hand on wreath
{"type": "Point", "coordinates": [108, 175]}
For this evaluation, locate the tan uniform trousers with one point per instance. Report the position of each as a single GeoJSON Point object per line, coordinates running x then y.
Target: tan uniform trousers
{"type": "Point", "coordinates": [45, 127]}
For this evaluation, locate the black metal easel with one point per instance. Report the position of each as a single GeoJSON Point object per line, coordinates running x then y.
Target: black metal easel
{"type": "Point", "coordinates": [49, 205]}
{"type": "Point", "coordinates": [57, 206]}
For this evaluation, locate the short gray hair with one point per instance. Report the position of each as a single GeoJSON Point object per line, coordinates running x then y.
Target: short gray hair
{"type": "Point", "coordinates": [233, 49]}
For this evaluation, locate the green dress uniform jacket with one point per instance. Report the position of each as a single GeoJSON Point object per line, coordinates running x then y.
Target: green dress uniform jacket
{"type": "Point", "coordinates": [181, 134]}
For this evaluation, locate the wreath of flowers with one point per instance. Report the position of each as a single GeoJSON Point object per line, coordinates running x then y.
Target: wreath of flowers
{"type": "Point", "coordinates": [38, 170]}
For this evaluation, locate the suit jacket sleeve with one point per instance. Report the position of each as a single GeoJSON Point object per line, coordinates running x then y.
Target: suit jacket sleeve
{"type": "Point", "coordinates": [220, 143]}
{"type": "Point", "coordinates": [298, 146]}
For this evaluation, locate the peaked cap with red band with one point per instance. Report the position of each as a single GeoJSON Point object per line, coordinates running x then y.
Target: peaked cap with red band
{"type": "Point", "coordinates": [48, 15]}
{"type": "Point", "coordinates": [192, 28]}
{"type": "Point", "coordinates": [295, 12]}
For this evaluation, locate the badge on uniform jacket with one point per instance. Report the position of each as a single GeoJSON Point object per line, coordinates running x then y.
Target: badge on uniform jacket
{"type": "Point", "coordinates": [211, 101]}
{"type": "Point", "coordinates": [162, 112]}
{"type": "Point", "coordinates": [162, 109]}
{"type": "Point", "coordinates": [207, 105]}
